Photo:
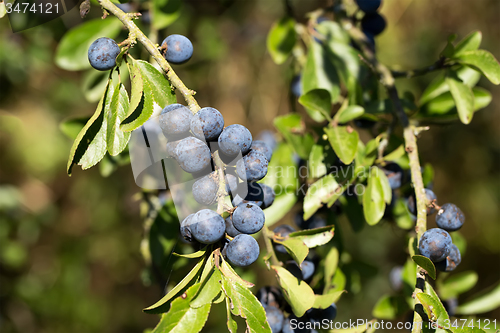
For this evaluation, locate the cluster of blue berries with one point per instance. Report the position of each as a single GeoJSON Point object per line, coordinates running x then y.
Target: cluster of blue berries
{"type": "Point", "coordinates": [192, 141]}
{"type": "Point", "coordinates": [281, 319]}
{"type": "Point", "coordinates": [436, 243]}
{"type": "Point", "coordinates": [372, 23]}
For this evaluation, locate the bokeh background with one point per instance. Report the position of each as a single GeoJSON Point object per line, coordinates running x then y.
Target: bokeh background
{"type": "Point", "coordinates": [70, 256]}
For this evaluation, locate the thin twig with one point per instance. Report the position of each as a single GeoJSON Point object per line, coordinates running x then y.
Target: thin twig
{"type": "Point", "coordinates": [221, 192]}
{"type": "Point", "coordinates": [136, 33]}
{"type": "Point", "coordinates": [269, 245]}
{"type": "Point", "coordinates": [438, 65]}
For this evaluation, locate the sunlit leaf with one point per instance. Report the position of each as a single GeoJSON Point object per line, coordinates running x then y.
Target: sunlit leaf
{"type": "Point", "coordinates": [281, 39]}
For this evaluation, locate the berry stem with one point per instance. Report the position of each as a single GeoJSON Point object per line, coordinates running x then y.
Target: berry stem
{"type": "Point", "coordinates": [387, 80]}
{"type": "Point", "coordinates": [136, 34]}
{"type": "Point", "coordinates": [221, 192]}
{"type": "Point", "coordinates": [268, 234]}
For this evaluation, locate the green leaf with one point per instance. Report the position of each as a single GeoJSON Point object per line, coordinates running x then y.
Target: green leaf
{"type": "Point", "coordinates": [293, 129]}
{"type": "Point", "coordinates": [331, 263]}
{"type": "Point", "coordinates": [319, 193]}
{"type": "Point", "coordinates": [426, 264]}
{"type": "Point", "coordinates": [117, 140]}
{"type": "Point", "coordinates": [209, 290]}
{"type": "Point", "coordinates": [320, 73]}
{"type": "Point", "coordinates": [317, 100]}
{"type": "Point", "coordinates": [469, 329]}
{"type": "Point", "coordinates": [373, 198]}
{"type": "Point", "coordinates": [163, 304]}
{"type": "Point", "coordinates": [141, 100]}
{"type": "Point", "coordinates": [401, 215]}
{"type": "Point", "coordinates": [3, 9]}
{"type": "Point", "coordinates": [94, 83]}
{"type": "Point", "coordinates": [282, 171]}
{"type": "Point", "coordinates": [470, 43]}
{"type": "Point", "coordinates": [89, 146]}
{"type": "Point", "coordinates": [314, 237]}
{"type": "Point", "coordinates": [344, 141]}
{"type": "Point", "coordinates": [196, 254]}
{"type": "Point", "coordinates": [384, 181]}
{"type": "Point", "coordinates": [358, 328]}
{"type": "Point", "coordinates": [165, 12]}
{"type": "Point", "coordinates": [162, 92]}
{"type": "Point", "coordinates": [181, 318]}
{"type": "Point", "coordinates": [350, 113]}
{"type": "Point", "coordinates": [231, 322]}
{"type": "Point", "coordinates": [296, 292]}
{"type": "Point", "coordinates": [434, 309]}
{"type": "Point", "coordinates": [231, 275]}
{"type": "Point", "coordinates": [464, 99]}
{"type": "Point", "coordinates": [281, 39]}
{"type": "Point", "coordinates": [481, 304]}
{"type": "Point", "coordinates": [438, 86]}
{"type": "Point", "coordinates": [295, 247]}
{"type": "Point", "coordinates": [458, 284]}
{"type": "Point", "coordinates": [280, 207]}
{"type": "Point", "coordinates": [72, 51]}
{"type": "Point", "coordinates": [245, 304]}
{"type": "Point", "coordinates": [389, 307]}
{"type": "Point", "coordinates": [325, 300]}
{"type": "Point", "coordinates": [317, 167]}
{"type": "Point", "coordinates": [483, 61]}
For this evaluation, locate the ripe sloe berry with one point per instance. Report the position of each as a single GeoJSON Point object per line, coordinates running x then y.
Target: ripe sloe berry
{"type": "Point", "coordinates": [248, 218]}
{"type": "Point", "coordinates": [268, 138]}
{"type": "Point", "coordinates": [373, 23]}
{"type": "Point", "coordinates": [307, 269]}
{"type": "Point", "coordinates": [450, 217]}
{"type": "Point", "coordinates": [318, 315]}
{"type": "Point", "coordinates": [262, 147]}
{"type": "Point", "coordinates": [274, 318]}
{"type": "Point", "coordinates": [269, 296]}
{"type": "Point", "coordinates": [296, 86]}
{"type": "Point", "coordinates": [431, 197]}
{"type": "Point", "coordinates": [186, 228]}
{"type": "Point", "coordinates": [369, 6]}
{"type": "Point", "coordinates": [253, 193]}
{"type": "Point", "coordinates": [174, 120]}
{"type": "Point", "coordinates": [269, 196]}
{"type": "Point", "coordinates": [102, 53]}
{"type": "Point", "coordinates": [171, 146]}
{"type": "Point", "coordinates": [243, 250]}
{"type": "Point", "coordinates": [230, 229]}
{"type": "Point", "coordinates": [205, 190]}
{"type": "Point", "coordinates": [303, 322]}
{"type": "Point", "coordinates": [179, 49]}
{"type": "Point", "coordinates": [283, 230]}
{"type": "Point", "coordinates": [252, 166]}
{"type": "Point", "coordinates": [207, 226]}
{"type": "Point", "coordinates": [435, 244]}
{"type": "Point", "coordinates": [207, 124]}
{"type": "Point", "coordinates": [193, 155]}
{"type": "Point", "coordinates": [395, 175]}
{"type": "Point", "coordinates": [364, 123]}
{"type": "Point", "coordinates": [235, 139]}
{"type": "Point", "coordinates": [452, 260]}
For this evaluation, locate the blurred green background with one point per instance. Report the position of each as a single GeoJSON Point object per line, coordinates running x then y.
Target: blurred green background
{"type": "Point", "coordinates": [69, 246]}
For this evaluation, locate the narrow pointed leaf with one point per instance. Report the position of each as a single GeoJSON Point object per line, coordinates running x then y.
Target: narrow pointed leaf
{"type": "Point", "coordinates": [117, 140]}
{"type": "Point", "coordinates": [162, 92]}
{"type": "Point", "coordinates": [484, 61]}
{"type": "Point", "coordinates": [483, 303]}
{"type": "Point", "coordinates": [426, 264]}
{"type": "Point", "coordinates": [470, 43]}
{"type": "Point", "coordinates": [317, 100]}
{"type": "Point", "coordinates": [296, 292]}
{"type": "Point", "coordinates": [209, 290]}
{"type": "Point", "coordinates": [464, 99]}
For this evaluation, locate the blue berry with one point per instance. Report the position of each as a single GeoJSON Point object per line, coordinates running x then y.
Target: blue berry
{"type": "Point", "coordinates": [205, 190]}
{"type": "Point", "coordinates": [269, 196]}
{"type": "Point", "coordinates": [452, 260]}
{"type": "Point", "coordinates": [268, 138]}
{"type": "Point", "coordinates": [243, 250]}
{"type": "Point", "coordinates": [369, 6]}
{"type": "Point", "coordinates": [230, 229]}
{"type": "Point", "coordinates": [235, 139]}
{"type": "Point", "coordinates": [307, 268]}
{"type": "Point", "coordinates": [193, 155]}
{"type": "Point", "coordinates": [179, 49]}
{"type": "Point", "coordinates": [252, 166]}
{"type": "Point", "coordinates": [174, 120]}
{"type": "Point", "coordinates": [431, 197]}
{"type": "Point", "coordinates": [373, 24]}
{"type": "Point", "coordinates": [126, 7]}
{"type": "Point", "coordinates": [395, 175]}
{"type": "Point", "coordinates": [286, 327]}
{"type": "Point", "coordinates": [248, 218]}
{"type": "Point", "coordinates": [262, 147]}
{"type": "Point", "coordinates": [318, 315]}
{"type": "Point", "coordinates": [435, 244]}
{"type": "Point", "coordinates": [207, 226]}
{"type": "Point", "coordinates": [364, 123]}
{"type": "Point", "coordinates": [171, 146]}
{"type": "Point", "coordinates": [274, 318]}
{"type": "Point", "coordinates": [450, 217]}
{"type": "Point", "coordinates": [396, 277]}
{"type": "Point", "coordinates": [207, 124]}
{"type": "Point", "coordinates": [102, 53]}
{"type": "Point", "coordinates": [282, 230]}
{"type": "Point", "coordinates": [269, 296]}
{"type": "Point", "coordinates": [296, 86]}
{"type": "Point", "coordinates": [253, 193]}
{"type": "Point", "coordinates": [231, 183]}
{"type": "Point", "coordinates": [186, 228]}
